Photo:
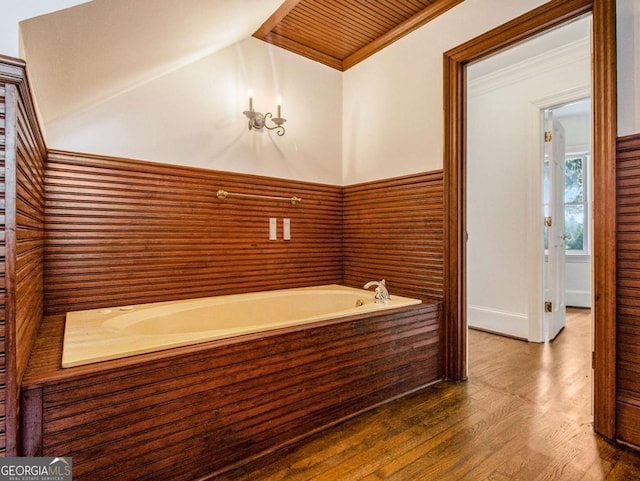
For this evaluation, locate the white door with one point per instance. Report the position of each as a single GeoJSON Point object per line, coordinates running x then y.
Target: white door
{"type": "Point", "coordinates": [554, 223]}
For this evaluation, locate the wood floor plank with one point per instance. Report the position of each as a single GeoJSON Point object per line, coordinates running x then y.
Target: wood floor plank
{"type": "Point", "coordinates": [375, 453]}
{"type": "Point", "coordinates": [523, 415]}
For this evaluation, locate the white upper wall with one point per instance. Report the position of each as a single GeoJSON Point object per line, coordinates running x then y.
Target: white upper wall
{"type": "Point", "coordinates": [628, 32]}
{"type": "Point", "coordinates": [382, 118]}
{"type": "Point", "coordinates": [151, 80]}
{"type": "Point", "coordinates": [103, 48]}
{"type": "Point", "coordinates": [393, 119]}
{"type": "Point", "coordinates": [193, 116]}
{"type": "Point", "coordinates": [13, 12]}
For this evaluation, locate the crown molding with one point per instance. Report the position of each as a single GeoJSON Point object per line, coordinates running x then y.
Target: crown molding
{"type": "Point", "coordinates": [570, 53]}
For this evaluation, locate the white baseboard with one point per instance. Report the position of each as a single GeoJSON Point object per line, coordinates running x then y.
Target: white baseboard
{"type": "Point", "coordinates": [578, 298]}
{"type": "Point", "coordinates": [512, 324]}
{"type": "Point", "coordinates": [574, 298]}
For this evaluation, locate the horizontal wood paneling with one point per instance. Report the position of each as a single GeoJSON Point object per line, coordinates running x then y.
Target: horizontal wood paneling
{"type": "Point", "coordinates": [3, 323]}
{"type": "Point", "coordinates": [393, 230]}
{"type": "Point", "coordinates": [342, 33]}
{"type": "Point", "coordinates": [193, 411]}
{"type": "Point", "coordinates": [628, 428]}
{"type": "Point", "coordinates": [120, 231]}
{"type": "Point", "coordinates": [22, 154]}
{"type": "Point", "coordinates": [628, 290]}
{"type": "Point", "coordinates": [29, 241]}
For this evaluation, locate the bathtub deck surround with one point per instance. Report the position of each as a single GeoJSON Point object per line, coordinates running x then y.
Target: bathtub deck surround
{"type": "Point", "coordinates": [109, 333]}
{"type": "Point", "coordinates": [224, 401]}
{"type": "Point", "coordinates": [227, 400]}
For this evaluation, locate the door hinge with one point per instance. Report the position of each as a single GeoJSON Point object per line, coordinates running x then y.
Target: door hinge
{"type": "Point", "coordinates": [548, 221]}
{"type": "Point", "coordinates": [593, 359]}
{"type": "Point", "coordinates": [548, 136]}
{"type": "Point", "coordinates": [548, 306]}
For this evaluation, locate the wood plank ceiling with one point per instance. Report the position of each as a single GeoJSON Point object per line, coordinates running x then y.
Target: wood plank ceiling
{"type": "Point", "coordinates": [342, 33]}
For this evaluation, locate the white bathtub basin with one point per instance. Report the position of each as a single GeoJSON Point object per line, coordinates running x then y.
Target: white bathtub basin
{"type": "Point", "coordinates": [102, 334]}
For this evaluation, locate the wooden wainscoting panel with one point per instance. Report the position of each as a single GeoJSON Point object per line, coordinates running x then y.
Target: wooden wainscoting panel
{"type": "Point", "coordinates": [3, 323]}
{"type": "Point", "coordinates": [29, 242]}
{"type": "Point", "coordinates": [393, 230]}
{"type": "Point", "coordinates": [189, 412]}
{"type": "Point", "coordinates": [120, 231]}
{"type": "Point", "coordinates": [628, 290]}
{"type": "Point", "coordinates": [22, 154]}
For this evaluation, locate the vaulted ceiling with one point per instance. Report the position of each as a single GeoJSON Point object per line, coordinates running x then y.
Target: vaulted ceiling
{"type": "Point", "coordinates": [83, 55]}
{"type": "Point", "coordinates": [341, 33]}
{"type": "Point", "coordinates": [92, 52]}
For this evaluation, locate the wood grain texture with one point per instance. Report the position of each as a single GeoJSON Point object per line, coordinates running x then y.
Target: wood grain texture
{"type": "Point", "coordinates": [420, 18]}
{"type": "Point", "coordinates": [454, 327]}
{"type": "Point", "coordinates": [29, 235]}
{"type": "Point", "coordinates": [3, 250]}
{"type": "Point", "coordinates": [605, 128]}
{"type": "Point", "coordinates": [628, 289]}
{"type": "Point", "coordinates": [276, 18]}
{"type": "Point", "coordinates": [393, 230]}
{"type": "Point", "coordinates": [202, 409]}
{"type": "Point", "coordinates": [125, 232]}
{"type": "Point", "coordinates": [22, 222]}
{"type": "Point", "coordinates": [549, 15]}
{"type": "Point", "coordinates": [342, 33]}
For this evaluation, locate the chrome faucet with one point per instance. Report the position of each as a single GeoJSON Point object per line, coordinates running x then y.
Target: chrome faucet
{"type": "Point", "coordinates": [382, 294]}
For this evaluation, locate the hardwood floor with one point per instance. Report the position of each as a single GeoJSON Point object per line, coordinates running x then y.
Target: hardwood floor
{"type": "Point", "coordinates": [524, 414]}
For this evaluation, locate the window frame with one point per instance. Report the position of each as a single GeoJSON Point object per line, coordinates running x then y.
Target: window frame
{"type": "Point", "coordinates": [586, 204]}
{"type": "Point", "coordinates": [586, 199]}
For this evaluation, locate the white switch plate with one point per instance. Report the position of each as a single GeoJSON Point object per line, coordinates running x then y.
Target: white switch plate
{"type": "Point", "coordinates": [273, 228]}
{"type": "Point", "coordinates": [286, 228]}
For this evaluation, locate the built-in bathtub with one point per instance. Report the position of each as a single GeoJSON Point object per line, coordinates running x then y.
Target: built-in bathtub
{"type": "Point", "coordinates": [197, 410]}
{"type": "Point", "coordinates": [114, 332]}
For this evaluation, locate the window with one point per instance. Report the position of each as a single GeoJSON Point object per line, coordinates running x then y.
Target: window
{"type": "Point", "coordinates": [576, 207]}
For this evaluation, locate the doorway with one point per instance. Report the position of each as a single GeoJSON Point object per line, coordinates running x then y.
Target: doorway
{"type": "Point", "coordinates": [506, 97]}
{"type": "Point", "coordinates": [537, 21]}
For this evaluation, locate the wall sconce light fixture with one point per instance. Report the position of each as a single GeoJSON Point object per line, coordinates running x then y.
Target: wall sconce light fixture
{"type": "Point", "coordinates": [258, 121]}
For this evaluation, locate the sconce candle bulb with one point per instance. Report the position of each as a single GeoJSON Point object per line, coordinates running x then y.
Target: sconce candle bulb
{"type": "Point", "coordinates": [258, 121]}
